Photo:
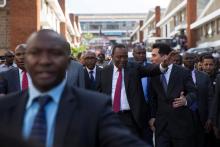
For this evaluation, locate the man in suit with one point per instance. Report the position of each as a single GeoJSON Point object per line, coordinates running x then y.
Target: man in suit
{"type": "Point", "coordinates": [91, 71]}
{"type": "Point", "coordinates": [16, 78]}
{"type": "Point", "coordinates": [75, 73]}
{"type": "Point", "coordinates": [9, 61]}
{"type": "Point", "coordinates": [172, 94]}
{"type": "Point", "coordinates": [139, 54]}
{"type": "Point", "coordinates": [215, 113]}
{"type": "Point", "coordinates": [55, 115]}
{"type": "Point", "coordinates": [208, 66]}
{"type": "Point", "coordinates": [202, 107]}
{"type": "Point", "coordinates": [122, 81]}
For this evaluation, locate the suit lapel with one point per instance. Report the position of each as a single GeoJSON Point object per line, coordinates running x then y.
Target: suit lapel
{"type": "Point", "coordinates": [108, 79]}
{"type": "Point", "coordinates": [159, 86]}
{"type": "Point", "coordinates": [87, 78]}
{"type": "Point", "coordinates": [198, 79]}
{"type": "Point", "coordinates": [64, 116]}
{"type": "Point", "coordinates": [97, 76]}
{"type": "Point", "coordinates": [18, 115]}
{"type": "Point", "coordinates": [172, 80]}
{"type": "Point", "coordinates": [126, 79]}
{"type": "Point", "coordinates": [17, 82]}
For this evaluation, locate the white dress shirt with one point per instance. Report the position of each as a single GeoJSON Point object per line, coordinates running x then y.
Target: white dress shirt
{"type": "Point", "coordinates": [94, 71]}
{"type": "Point", "coordinates": [168, 72]}
{"type": "Point", "coordinates": [124, 101]}
{"type": "Point", "coordinates": [194, 76]}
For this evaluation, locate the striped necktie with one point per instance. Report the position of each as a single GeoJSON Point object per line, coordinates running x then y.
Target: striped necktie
{"type": "Point", "coordinates": [39, 128]}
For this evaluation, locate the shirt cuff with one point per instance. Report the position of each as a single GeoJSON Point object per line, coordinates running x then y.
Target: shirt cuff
{"type": "Point", "coordinates": [162, 69]}
{"type": "Point", "coordinates": [186, 103]}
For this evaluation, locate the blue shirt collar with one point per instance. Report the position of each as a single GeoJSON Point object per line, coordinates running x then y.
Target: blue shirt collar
{"type": "Point", "coordinates": [55, 93]}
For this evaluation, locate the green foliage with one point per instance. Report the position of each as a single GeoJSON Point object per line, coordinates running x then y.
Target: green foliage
{"type": "Point", "coordinates": [88, 36]}
{"type": "Point", "coordinates": [76, 50]}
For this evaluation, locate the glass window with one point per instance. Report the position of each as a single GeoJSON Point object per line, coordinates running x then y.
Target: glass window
{"type": "Point", "coordinates": [210, 31]}
{"type": "Point", "coordinates": [218, 26]}
{"type": "Point", "coordinates": [213, 27]}
{"type": "Point", "coordinates": [94, 27]}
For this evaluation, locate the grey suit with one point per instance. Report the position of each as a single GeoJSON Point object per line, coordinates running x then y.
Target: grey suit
{"type": "Point", "coordinates": [75, 75]}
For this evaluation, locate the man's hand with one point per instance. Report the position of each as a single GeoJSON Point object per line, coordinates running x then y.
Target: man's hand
{"type": "Point", "coordinates": [179, 102]}
{"type": "Point", "coordinates": [208, 125]}
{"type": "Point", "coordinates": [217, 132]}
{"type": "Point", "coordinates": [168, 59]}
{"type": "Point", "coordinates": [151, 124]}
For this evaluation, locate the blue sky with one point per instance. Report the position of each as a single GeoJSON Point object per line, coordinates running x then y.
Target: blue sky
{"type": "Point", "coordinates": [114, 6]}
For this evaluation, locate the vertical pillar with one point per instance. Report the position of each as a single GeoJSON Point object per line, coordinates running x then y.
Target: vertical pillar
{"type": "Point", "coordinates": [63, 27]}
{"type": "Point", "coordinates": [157, 19]}
{"type": "Point", "coordinates": [77, 25]}
{"type": "Point", "coordinates": [72, 19]}
{"type": "Point", "coordinates": [191, 16]}
{"type": "Point", "coordinates": [141, 34]}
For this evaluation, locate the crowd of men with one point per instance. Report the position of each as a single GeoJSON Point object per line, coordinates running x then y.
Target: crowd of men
{"type": "Point", "coordinates": [48, 99]}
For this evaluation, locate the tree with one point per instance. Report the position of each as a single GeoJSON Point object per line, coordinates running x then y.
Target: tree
{"type": "Point", "coordinates": [76, 50]}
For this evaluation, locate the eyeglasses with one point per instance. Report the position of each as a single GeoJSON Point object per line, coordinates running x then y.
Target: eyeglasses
{"type": "Point", "coordinates": [10, 56]}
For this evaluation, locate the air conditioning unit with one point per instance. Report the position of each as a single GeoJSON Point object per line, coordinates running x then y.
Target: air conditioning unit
{"type": "Point", "coordinates": [2, 3]}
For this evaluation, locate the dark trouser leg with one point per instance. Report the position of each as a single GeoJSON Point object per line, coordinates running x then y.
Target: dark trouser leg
{"type": "Point", "coordinates": [163, 139]}
{"type": "Point", "coordinates": [127, 119]}
{"type": "Point", "coordinates": [183, 142]}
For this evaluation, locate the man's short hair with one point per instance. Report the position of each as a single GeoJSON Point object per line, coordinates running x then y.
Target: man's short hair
{"type": "Point", "coordinates": [164, 49]}
{"type": "Point", "coordinates": [24, 46]}
{"type": "Point", "coordinates": [207, 56]}
{"type": "Point", "coordinates": [138, 47]}
{"type": "Point", "coordinates": [117, 46]}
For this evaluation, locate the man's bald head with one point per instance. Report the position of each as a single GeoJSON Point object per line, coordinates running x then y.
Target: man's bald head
{"type": "Point", "coordinates": [20, 46]}
{"type": "Point", "coordinates": [90, 59]}
{"type": "Point", "coordinates": [47, 35]}
{"type": "Point", "coordinates": [47, 58]}
{"type": "Point", "coordinates": [20, 51]}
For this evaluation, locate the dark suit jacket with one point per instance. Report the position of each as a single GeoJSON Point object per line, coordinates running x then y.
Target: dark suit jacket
{"type": "Point", "coordinates": [215, 110]}
{"type": "Point", "coordinates": [178, 120]}
{"type": "Point", "coordinates": [132, 78]}
{"type": "Point", "coordinates": [88, 83]}
{"type": "Point", "coordinates": [205, 95]}
{"type": "Point", "coordinates": [84, 119]}
{"type": "Point", "coordinates": [10, 81]}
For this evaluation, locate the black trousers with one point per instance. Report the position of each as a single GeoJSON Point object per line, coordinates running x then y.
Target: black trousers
{"type": "Point", "coordinates": [164, 139]}
{"type": "Point", "coordinates": [128, 120]}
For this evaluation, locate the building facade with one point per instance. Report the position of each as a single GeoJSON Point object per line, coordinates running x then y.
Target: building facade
{"type": "Point", "coordinates": [184, 24]}
{"type": "Point", "coordinates": [18, 19]}
{"type": "Point", "coordinates": [109, 28]}
{"type": "Point", "coordinates": [207, 25]}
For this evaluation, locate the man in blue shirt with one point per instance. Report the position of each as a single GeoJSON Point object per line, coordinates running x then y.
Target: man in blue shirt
{"type": "Point", "coordinates": [55, 115]}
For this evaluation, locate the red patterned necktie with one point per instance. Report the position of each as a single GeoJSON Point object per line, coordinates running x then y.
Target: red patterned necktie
{"type": "Point", "coordinates": [24, 80]}
{"type": "Point", "coordinates": [117, 96]}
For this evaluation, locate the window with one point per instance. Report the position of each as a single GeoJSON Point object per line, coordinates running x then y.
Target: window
{"type": "Point", "coordinates": [218, 26]}
{"type": "Point", "coordinates": [199, 33]}
{"type": "Point", "coordinates": [205, 30]}
{"type": "Point", "coordinates": [183, 17]}
{"type": "Point", "coordinates": [2, 3]}
{"type": "Point", "coordinates": [112, 27]}
{"type": "Point", "coordinates": [94, 27]}
{"type": "Point", "coordinates": [210, 30]}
